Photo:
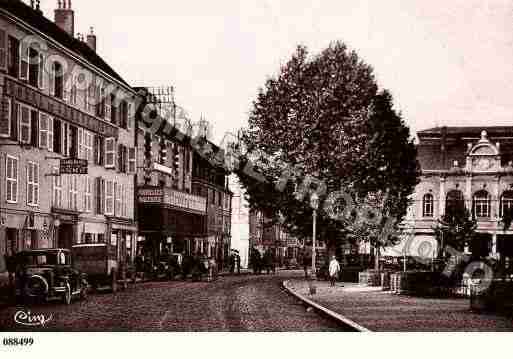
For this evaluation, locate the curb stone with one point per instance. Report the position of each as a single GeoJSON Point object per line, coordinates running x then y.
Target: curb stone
{"type": "Point", "coordinates": [339, 318]}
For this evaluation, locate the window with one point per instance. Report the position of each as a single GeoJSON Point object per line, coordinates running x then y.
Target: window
{"type": "Point", "coordinates": [427, 205]}
{"type": "Point", "coordinates": [34, 68]}
{"type": "Point", "coordinates": [57, 136]}
{"type": "Point", "coordinates": [57, 189]}
{"type": "Point", "coordinates": [482, 204]}
{"type": "Point", "coordinates": [132, 160]}
{"type": "Point", "coordinates": [24, 62]}
{"type": "Point", "coordinates": [130, 116]}
{"type": "Point", "coordinates": [73, 192]}
{"type": "Point", "coordinates": [113, 110]}
{"type": "Point", "coordinates": [99, 150]}
{"type": "Point", "coordinates": [24, 118]}
{"type": "Point", "coordinates": [3, 49]}
{"type": "Point", "coordinates": [87, 151]}
{"type": "Point", "coordinates": [123, 114]}
{"type": "Point", "coordinates": [110, 152]}
{"type": "Point", "coordinates": [13, 56]}
{"type": "Point", "coordinates": [73, 90]}
{"type": "Point", "coordinates": [57, 80]}
{"type": "Point", "coordinates": [12, 179]}
{"type": "Point", "coordinates": [100, 107]}
{"type": "Point", "coordinates": [88, 194]}
{"type": "Point", "coordinates": [506, 204]}
{"type": "Point", "coordinates": [109, 198]}
{"type": "Point", "coordinates": [32, 184]}
{"type": "Point", "coordinates": [455, 203]}
{"type": "Point", "coordinates": [118, 193]}
{"type": "Point", "coordinates": [5, 117]}
{"type": "Point", "coordinates": [45, 131]}
{"type": "Point", "coordinates": [124, 201]}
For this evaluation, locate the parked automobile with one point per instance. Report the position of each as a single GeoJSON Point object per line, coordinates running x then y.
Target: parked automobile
{"type": "Point", "coordinates": [48, 274]}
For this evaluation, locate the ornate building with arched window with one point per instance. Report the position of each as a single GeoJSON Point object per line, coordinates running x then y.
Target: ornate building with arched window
{"type": "Point", "coordinates": [467, 167]}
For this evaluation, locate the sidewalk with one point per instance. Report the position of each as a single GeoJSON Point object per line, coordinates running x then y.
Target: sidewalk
{"type": "Point", "coordinates": [382, 311]}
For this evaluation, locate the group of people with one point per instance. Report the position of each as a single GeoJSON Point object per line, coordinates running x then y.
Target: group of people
{"type": "Point", "coordinates": [265, 262]}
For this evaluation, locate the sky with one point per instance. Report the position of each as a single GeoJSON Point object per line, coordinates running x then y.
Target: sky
{"type": "Point", "coordinates": [445, 62]}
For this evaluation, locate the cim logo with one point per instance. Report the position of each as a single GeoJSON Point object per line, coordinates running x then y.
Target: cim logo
{"type": "Point", "coordinates": [31, 320]}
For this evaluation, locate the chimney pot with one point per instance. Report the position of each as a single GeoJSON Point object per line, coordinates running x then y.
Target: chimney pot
{"type": "Point", "coordinates": [91, 39]}
{"type": "Point", "coordinates": [65, 17]}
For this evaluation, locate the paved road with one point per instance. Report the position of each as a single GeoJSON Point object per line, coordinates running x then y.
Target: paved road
{"type": "Point", "coordinates": [245, 303]}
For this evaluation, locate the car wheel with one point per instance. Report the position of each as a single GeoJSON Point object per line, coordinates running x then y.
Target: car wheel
{"type": "Point", "coordinates": [66, 298]}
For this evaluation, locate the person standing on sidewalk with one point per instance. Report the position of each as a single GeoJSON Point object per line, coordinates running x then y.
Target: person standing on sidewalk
{"type": "Point", "coordinates": [334, 269]}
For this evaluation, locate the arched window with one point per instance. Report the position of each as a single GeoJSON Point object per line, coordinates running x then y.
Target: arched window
{"type": "Point", "coordinates": [506, 203]}
{"type": "Point", "coordinates": [454, 203]}
{"type": "Point", "coordinates": [482, 204]}
{"type": "Point", "coordinates": [427, 205]}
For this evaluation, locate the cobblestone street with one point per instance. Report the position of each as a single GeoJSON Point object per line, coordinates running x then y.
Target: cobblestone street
{"type": "Point", "coordinates": [245, 303]}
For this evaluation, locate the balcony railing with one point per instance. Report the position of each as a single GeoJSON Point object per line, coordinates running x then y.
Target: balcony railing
{"type": "Point", "coordinates": [171, 197]}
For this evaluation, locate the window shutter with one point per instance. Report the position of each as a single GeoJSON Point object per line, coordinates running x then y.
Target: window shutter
{"type": "Point", "coordinates": [107, 106]}
{"type": "Point", "coordinates": [14, 120]}
{"type": "Point", "coordinates": [110, 152]}
{"type": "Point", "coordinates": [5, 117]}
{"type": "Point", "coordinates": [129, 122]}
{"type": "Point", "coordinates": [120, 157]}
{"type": "Point", "coordinates": [51, 79]}
{"type": "Point", "coordinates": [3, 49]}
{"type": "Point", "coordinates": [41, 72]}
{"type": "Point", "coordinates": [131, 160]}
{"type": "Point", "coordinates": [24, 61]}
{"type": "Point", "coordinates": [50, 133]}
{"type": "Point", "coordinates": [100, 195]}
{"type": "Point", "coordinates": [96, 157]}
{"type": "Point", "coordinates": [80, 143]}
{"type": "Point", "coordinates": [34, 128]}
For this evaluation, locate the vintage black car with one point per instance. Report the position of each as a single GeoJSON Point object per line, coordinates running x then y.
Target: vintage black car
{"type": "Point", "coordinates": [48, 274]}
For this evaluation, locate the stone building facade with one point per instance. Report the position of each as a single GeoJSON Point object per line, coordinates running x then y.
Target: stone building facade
{"type": "Point", "coordinates": [60, 100]}
{"type": "Point", "coordinates": [470, 166]}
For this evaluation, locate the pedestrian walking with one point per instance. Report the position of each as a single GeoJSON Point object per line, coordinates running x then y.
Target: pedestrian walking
{"type": "Point", "coordinates": [334, 269]}
{"type": "Point", "coordinates": [238, 264]}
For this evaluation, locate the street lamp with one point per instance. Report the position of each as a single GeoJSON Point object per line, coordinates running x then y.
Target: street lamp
{"type": "Point", "coordinates": [314, 203]}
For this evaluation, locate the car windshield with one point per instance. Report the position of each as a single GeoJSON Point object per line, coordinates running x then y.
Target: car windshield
{"type": "Point", "coordinates": [35, 259]}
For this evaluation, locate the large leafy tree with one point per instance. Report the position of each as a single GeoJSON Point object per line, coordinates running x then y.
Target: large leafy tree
{"type": "Point", "coordinates": [323, 117]}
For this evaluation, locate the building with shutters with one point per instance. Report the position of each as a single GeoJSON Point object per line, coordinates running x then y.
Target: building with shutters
{"type": "Point", "coordinates": [184, 204]}
{"type": "Point", "coordinates": [61, 100]}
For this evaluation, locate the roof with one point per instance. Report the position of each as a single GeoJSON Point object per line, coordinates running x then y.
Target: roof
{"type": "Point", "coordinates": [49, 28]}
{"type": "Point", "coordinates": [492, 131]}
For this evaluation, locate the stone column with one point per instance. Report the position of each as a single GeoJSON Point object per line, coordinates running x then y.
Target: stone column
{"type": "Point", "coordinates": [441, 208]}
{"type": "Point", "coordinates": [494, 244]}
{"type": "Point", "coordinates": [468, 193]}
{"type": "Point", "coordinates": [496, 199]}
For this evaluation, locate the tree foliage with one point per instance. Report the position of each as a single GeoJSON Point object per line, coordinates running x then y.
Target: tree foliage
{"type": "Point", "coordinates": [455, 229]}
{"type": "Point", "coordinates": [324, 117]}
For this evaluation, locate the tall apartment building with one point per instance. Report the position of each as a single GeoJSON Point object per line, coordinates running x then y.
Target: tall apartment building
{"type": "Point", "coordinates": [184, 204]}
{"type": "Point", "coordinates": [61, 100]}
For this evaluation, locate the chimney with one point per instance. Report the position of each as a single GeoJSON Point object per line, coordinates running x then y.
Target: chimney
{"type": "Point", "coordinates": [91, 40]}
{"type": "Point", "coordinates": [65, 17]}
